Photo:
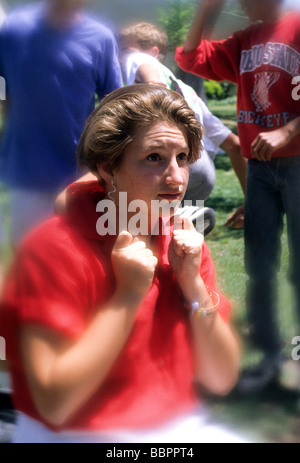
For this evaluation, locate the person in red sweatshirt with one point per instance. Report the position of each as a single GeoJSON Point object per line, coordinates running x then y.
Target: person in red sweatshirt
{"type": "Point", "coordinates": [264, 60]}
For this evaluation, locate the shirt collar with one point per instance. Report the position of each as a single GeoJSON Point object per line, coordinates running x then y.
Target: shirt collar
{"type": "Point", "coordinates": [81, 202]}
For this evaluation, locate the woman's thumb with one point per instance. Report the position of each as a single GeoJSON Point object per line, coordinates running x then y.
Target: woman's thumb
{"type": "Point", "coordinates": [124, 239]}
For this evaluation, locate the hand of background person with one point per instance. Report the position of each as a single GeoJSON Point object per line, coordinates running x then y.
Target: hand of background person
{"type": "Point", "coordinates": [206, 9]}
{"type": "Point", "coordinates": [266, 143]}
{"type": "Point", "coordinates": [185, 260]}
{"type": "Point", "coordinates": [236, 220]}
{"type": "Point", "coordinates": [134, 265]}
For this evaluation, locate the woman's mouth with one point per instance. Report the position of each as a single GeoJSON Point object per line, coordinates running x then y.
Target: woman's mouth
{"type": "Point", "coordinates": [171, 196]}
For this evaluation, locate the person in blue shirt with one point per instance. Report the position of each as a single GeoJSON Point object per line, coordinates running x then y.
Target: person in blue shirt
{"type": "Point", "coordinates": [56, 61]}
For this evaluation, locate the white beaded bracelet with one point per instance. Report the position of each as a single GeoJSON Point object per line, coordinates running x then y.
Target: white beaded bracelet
{"type": "Point", "coordinates": [200, 309]}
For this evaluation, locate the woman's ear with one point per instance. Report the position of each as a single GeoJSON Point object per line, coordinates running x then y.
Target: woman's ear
{"type": "Point", "coordinates": [106, 172]}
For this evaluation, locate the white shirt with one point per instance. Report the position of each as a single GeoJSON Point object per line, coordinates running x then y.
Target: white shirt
{"type": "Point", "coordinates": [215, 131]}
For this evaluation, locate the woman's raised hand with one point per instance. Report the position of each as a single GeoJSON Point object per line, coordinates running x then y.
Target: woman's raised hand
{"type": "Point", "coordinates": [134, 266]}
{"type": "Point", "coordinates": [185, 251]}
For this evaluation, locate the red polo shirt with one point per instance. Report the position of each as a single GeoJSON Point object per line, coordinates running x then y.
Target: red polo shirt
{"type": "Point", "coordinates": [61, 275]}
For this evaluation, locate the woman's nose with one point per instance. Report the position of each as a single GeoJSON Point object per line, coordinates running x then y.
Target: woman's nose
{"type": "Point", "coordinates": [174, 174]}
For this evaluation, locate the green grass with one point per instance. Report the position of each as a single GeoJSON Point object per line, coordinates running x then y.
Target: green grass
{"type": "Point", "coordinates": [226, 111]}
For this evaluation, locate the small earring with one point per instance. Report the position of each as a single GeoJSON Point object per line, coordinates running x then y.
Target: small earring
{"type": "Point", "coordinates": [110, 193]}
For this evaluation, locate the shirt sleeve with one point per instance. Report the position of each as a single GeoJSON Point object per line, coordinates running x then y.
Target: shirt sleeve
{"type": "Point", "coordinates": [50, 285]}
{"type": "Point", "coordinates": [215, 130]}
{"type": "Point", "coordinates": [214, 60]}
{"type": "Point", "coordinates": [109, 69]}
{"type": "Point", "coordinates": [132, 62]}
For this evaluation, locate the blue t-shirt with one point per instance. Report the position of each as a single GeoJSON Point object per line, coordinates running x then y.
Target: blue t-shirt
{"type": "Point", "coordinates": [51, 80]}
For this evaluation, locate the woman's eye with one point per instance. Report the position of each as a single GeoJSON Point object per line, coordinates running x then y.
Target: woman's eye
{"type": "Point", "coordinates": [182, 157]}
{"type": "Point", "coordinates": [154, 157]}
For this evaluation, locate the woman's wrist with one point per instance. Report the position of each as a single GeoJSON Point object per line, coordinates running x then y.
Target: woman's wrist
{"type": "Point", "coordinates": [206, 308]}
{"type": "Point", "coordinates": [200, 300]}
{"type": "Point", "coordinates": [126, 298]}
{"type": "Point", "coordinates": [194, 289]}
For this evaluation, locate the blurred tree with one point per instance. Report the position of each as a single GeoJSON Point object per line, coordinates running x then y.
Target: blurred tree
{"type": "Point", "coordinates": [176, 19]}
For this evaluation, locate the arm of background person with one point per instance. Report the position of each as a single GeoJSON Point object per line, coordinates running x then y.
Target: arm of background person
{"type": "Point", "coordinates": [221, 136]}
{"type": "Point", "coordinates": [231, 146]}
{"type": "Point", "coordinates": [148, 74]}
{"type": "Point", "coordinates": [142, 67]}
{"type": "Point", "coordinates": [266, 143]}
{"type": "Point", "coordinates": [196, 32]}
{"type": "Point", "coordinates": [109, 74]}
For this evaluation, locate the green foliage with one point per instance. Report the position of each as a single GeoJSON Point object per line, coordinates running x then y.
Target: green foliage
{"type": "Point", "coordinates": [177, 16]}
{"type": "Point", "coordinates": [219, 90]}
{"type": "Point", "coordinates": [176, 19]}
{"type": "Point", "coordinates": [229, 88]}
{"type": "Point", "coordinates": [213, 90]}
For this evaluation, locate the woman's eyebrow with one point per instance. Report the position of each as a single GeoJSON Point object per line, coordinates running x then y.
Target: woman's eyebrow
{"type": "Point", "coordinates": [156, 146]}
{"type": "Point", "coordinates": [159, 144]}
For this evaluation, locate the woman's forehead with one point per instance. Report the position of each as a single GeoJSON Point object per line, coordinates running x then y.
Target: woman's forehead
{"type": "Point", "coordinates": [161, 133]}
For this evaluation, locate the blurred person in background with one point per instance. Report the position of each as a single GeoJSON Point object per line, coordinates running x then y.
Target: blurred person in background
{"type": "Point", "coordinates": [263, 60]}
{"type": "Point", "coordinates": [109, 329]}
{"type": "Point", "coordinates": [2, 13]}
{"type": "Point", "coordinates": [55, 58]}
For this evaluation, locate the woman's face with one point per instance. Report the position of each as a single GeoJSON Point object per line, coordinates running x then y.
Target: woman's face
{"type": "Point", "coordinates": [155, 165]}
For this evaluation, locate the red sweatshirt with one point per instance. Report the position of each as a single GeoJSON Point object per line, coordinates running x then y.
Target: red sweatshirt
{"type": "Point", "coordinates": [263, 60]}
